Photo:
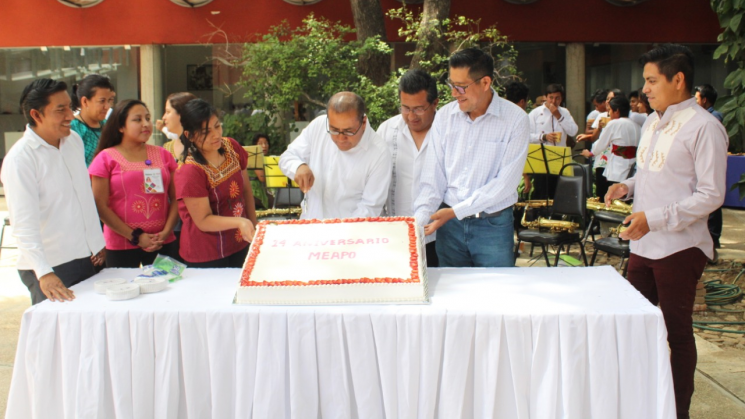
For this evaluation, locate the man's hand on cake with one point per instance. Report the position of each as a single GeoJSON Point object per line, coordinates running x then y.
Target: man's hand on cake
{"type": "Point", "coordinates": [99, 258]}
{"type": "Point", "coordinates": [54, 289]}
{"type": "Point", "coordinates": [304, 178]}
{"type": "Point", "coordinates": [438, 220]}
{"type": "Point", "coordinates": [247, 229]}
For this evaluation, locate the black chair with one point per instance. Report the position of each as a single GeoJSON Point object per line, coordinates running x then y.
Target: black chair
{"type": "Point", "coordinates": [613, 246]}
{"type": "Point", "coordinates": [570, 201]}
{"type": "Point", "coordinates": [586, 171]}
{"type": "Point", "coordinates": [288, 197]}
{"type": "Point", "coordinates": [607, 216]}
{"type": "Point", "coordinates": [602, 216]}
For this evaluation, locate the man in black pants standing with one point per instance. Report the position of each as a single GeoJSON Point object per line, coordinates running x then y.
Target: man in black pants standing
{"type": "Point", "coordinates": [49, 197]}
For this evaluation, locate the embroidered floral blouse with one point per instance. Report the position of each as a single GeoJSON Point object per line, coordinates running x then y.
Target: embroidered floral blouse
{"type": "Point", "coordinates": [127, 196]}
{"type": "Point", "coordinates": [223, 186]}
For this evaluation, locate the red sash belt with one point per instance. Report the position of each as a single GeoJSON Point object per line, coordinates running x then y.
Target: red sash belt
{"type": "Point", "coordinates": [625, 151]}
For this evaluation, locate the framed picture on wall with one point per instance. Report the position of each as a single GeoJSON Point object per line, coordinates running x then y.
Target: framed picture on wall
{"type": "Point", "coordinates": [199, 77]}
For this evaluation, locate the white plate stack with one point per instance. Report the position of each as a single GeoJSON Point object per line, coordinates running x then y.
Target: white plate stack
{"type": "Point", "coordinates": [103, 284]}
{"type": "Point", "coordinates": [122, 292]}
{"type": "Point", "coordinates": [150, 285]}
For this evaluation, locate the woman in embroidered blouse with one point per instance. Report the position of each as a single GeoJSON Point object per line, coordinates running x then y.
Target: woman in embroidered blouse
{"type": "Point", "coordinates": [215, 200]}
{"type": "Point", "coordinates": [133, 185]}
{"type": "Point", "coordinates": [172, 121]}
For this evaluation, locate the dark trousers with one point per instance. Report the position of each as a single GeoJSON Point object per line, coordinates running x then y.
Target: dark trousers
{"type": "Point", "coordinates": [715, 226]}
{"type": "Point", "coordinates": [431, 251]}
{"type": "Point", "coordinates": [233, 261]}
{"type": "Point", "coordinates": [671, 283]}
{"type": "Point", "coordinates": [601, 183]}
{"type": "Point", "coordinates": [133, 258]}
{"type": "Point", "coordinates": [544, 186]}
{"type": "Point", "coordinates": [70, 273]}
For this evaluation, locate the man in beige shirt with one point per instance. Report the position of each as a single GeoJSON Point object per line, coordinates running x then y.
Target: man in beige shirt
{"type": "Point", "coordinates": [680, 180]}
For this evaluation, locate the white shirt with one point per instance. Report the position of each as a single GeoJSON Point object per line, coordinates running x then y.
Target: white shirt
{"type": "Point", "coordinates": [601, 115]}
{"type": "Point", "coordinates": [51, 204]}
{"type": "Point", "coordinates": [639, 118]}
{"type": "Point", "coordinates": [542, 121]}
{"type": "Point", "coordinates": [620, 132]}
{"type": "Point", "coordinates": [680, 179]}
{"type": "Point", "coordinates": [407, 167]}
{"type": "Point", "coordinates": [348, 184]}
{"type": "Point", "coordinates": [474, 165]}
{"type": "Point", "coordinates": [592, 115]}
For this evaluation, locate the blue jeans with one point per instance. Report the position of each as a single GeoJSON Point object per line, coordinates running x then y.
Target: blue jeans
{"type": "Point", "coordinates": [477, 242]}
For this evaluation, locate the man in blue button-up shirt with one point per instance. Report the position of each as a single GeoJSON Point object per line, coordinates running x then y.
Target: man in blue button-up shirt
{"type": "Point", "coordinates": [469, 180]}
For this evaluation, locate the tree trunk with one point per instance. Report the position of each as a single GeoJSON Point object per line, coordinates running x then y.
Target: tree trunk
{"type": "Point", "coordinates": [369, 21]}
{"type": "Point", "coordinates": [429, 43]}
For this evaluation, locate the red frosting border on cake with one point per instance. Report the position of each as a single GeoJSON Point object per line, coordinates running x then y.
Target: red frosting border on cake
{"type": "Point", "coordinates": [259, 240]}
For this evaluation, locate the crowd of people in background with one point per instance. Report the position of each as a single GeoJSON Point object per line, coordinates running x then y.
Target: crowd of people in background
{"type": "Point", "coordinates": [83, 163]}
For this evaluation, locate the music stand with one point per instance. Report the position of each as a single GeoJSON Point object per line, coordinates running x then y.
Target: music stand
{"type": "Point", "coordinates": [255, 157]}
{"type": "Point", "coordinates": [276, 179]}
{"type": "Point", "coordinates": [547, 160]}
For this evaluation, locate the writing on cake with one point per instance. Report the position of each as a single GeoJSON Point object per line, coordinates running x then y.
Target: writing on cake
{"type": "Point", "coordinates": [339, 242]}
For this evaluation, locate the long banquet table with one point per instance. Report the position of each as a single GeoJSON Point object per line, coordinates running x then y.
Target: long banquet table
{"type": "Point", "coordinates": [494, 343]}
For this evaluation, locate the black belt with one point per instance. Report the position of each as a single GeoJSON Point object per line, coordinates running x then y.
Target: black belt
{"type": "Point", "coordinates": [481, 214]}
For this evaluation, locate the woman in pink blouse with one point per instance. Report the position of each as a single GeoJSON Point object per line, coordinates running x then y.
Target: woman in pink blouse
{"type": "Point", "coordinates": [134, 190]}
{"type": "Point", "coordinates": [214, 195]}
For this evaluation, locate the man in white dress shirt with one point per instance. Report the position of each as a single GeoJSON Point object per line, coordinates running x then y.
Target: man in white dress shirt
{"type": "Point", "coordinates": [550, 124]}
{"type": "Point", "coordinates": [680, 180]}
{"type": "Point", "coordinates": [407, 136]}
{"type": "Point", "coordinates": [49, 197]}
{"type": "Point", "coordinates": [340, 163]}
{"type": "Point", "coordinates": [547, 121]}
{"type": "Point", "coordinates": [469, 180]}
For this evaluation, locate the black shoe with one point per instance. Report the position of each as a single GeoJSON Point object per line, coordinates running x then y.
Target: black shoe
{"type": "Point", "coordinates": [715, 259]}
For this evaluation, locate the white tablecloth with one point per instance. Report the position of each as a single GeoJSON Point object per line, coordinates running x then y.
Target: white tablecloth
{"type": "Point", "coordinates": [494, 343]}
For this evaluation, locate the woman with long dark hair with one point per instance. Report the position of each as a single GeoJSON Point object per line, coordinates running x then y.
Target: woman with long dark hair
{"type": "Point", "coordinates": [175, 103]}
{"type": "Point", "coordinates": [134, 189]}
{"type": "Point", "coordinates": [92, 97]}
{"type": "Point", "coordinates": [215, 200]}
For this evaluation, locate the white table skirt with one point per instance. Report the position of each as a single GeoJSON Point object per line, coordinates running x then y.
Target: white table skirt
{"type": "Point", "coordinates": [494, 343]}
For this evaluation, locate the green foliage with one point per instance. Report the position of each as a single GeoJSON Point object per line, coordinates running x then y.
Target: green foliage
{"type": "Point", "coordinates": [307, 64]}
{"type": "Point", "coordinates": [310, 63]}
{"type": "Point", "coordinates": [243, 126]}
{"type": "Point", "coordinates": [453, 35]}
{"type": "Point", "coordinates": [732, 48]}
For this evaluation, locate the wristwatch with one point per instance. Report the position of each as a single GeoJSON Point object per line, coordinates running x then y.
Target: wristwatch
{"type": "Point", "coordinates": [136, 233]}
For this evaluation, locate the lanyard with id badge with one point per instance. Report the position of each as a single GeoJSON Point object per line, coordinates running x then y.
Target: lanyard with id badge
{"type": "Point", "coordinates": [153, 179]}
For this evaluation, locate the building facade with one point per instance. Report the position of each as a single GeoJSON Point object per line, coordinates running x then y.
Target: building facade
{"type": "Point", "coordinates": [151, 48]}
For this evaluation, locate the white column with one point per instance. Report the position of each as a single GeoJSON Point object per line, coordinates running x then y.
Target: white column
{"type": "Point", "coordinates": [575, 88]}
{"type": "Point", "coordinates": [151, 83]}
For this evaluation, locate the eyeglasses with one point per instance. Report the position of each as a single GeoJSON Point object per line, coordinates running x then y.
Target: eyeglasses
{"type": "Point", "coordinates": [419, 110]}
{"type": "Point", "coordinates": [462, 89]}
{"type": "Point", "coordinates": [348, 133]}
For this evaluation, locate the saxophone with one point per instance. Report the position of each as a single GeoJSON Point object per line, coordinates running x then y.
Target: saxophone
{"type": "Point", "coordinates": [554, 226]}
{"type": "Point", "coordinates": [535, 203]}
{"type": "Point", "coordinates": [616, 206]}
{"type": "Point", "coordinates": [616, 231]}
{"type": "Point", "coordinates": [278, 211]}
